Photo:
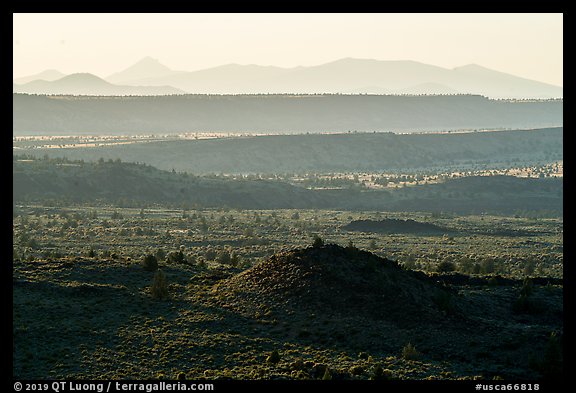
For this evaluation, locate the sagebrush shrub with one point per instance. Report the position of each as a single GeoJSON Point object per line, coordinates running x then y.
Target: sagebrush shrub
{"type": "Point", "coordinates": [150, 263]}
{"type": "Point", "coordinates": [274, 357]}
{"type": "Point", "coordinates": [409, 352]}
{"type": "Point", "coordinates": [159, 288]}
{"type": "Point", "coordinates": [445, 267]}
{"type": "Point", "coordinates": [317, 242]}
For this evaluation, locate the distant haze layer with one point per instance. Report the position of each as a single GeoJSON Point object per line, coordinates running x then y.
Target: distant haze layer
{"type": "Point", "coordinates": [67, 115]}
{"type": "Point", "coordinates": [529, 45]}
{"type": "Point", "coordinates": [346, 76]}
{"type": "Point", "coordinates": [354, 152]}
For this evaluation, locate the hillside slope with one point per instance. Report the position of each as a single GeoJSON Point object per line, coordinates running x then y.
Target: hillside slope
{"type": "Point", "coordinates": [140, 185]}
{"type": "Point", "coordinates": [113, 182]}
{"type": "Point", "coordinates": [333, 279]}
{"type": "Point", "coordinates": [62, 115]}
{"type": "Point", "coordinates": [327, 153]}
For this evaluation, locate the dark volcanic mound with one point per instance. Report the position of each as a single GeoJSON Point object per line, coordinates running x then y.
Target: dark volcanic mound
{"type": "Point", "coordinates": [338, 281]}
{"type": "Point", "coordinates": [391, 225]}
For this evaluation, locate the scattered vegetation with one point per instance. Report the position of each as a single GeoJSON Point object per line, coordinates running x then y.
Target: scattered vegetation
{"type": "Point", "coordinates": [226, 331]}
{"type": "Point", "coordinates": [140, 185]}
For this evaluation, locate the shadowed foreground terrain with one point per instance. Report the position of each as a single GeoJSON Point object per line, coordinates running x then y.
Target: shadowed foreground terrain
{"type": "Point", "coordinates": [319, 312]}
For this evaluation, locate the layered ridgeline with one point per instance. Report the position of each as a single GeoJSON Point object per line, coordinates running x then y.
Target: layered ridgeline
{"type": "Point", "coordinates": [88, 84]}
{"type": "Point", "coordinates": [129, 184]}
{"type": "Point", "coordinates": [322, 153]}
{"type": "Point", "coordinates": [284, 113]}
{"type": "Point", "coordinates": [346, 76]}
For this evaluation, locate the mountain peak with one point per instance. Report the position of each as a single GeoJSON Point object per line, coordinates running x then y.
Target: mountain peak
{"type": "Point", "coordinates": [47, 75]}
{"type": "Point", "coordinates": [352, 60]}
{"type": "Point", "coordinates": [90, 84]}
{"type": "Point", "coordinates": [83, 77]}
{"type": "Point", "coordinates": [471, 67]}
{"type": "Point", "coordinates": [374, 61]}
{"type": "Point", "coordinates": [149, 62]}
{"type": "Point", "coordinates": [146, 67]}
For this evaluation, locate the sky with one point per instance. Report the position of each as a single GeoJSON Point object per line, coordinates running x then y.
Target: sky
{"type": "Point", "coordinates": [525, 45]}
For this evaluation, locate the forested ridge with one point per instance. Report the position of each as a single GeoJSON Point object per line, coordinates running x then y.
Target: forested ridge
{"type": "Point", "coordinates": [275, 113]}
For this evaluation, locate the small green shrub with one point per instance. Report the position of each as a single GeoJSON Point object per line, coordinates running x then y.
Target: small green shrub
{"type": "Point", "coordinates": [150, 263]}
{"type": "Point", "coordinates": [550, 364]}
{"type": "Point", "coordinates": [176, 257]}
{"type": "Point", "coordinates": [273, 358]}
{"type": "Point", "coordinates": [378, 373]}
{"type": "Point", "coordinates": [223, 257]}
{"type": "Point", "coordinates": [409, 352]}
{"type": "Point", "coordinates": [317, 241]}
{"type": "Point", "coordinates": [356, 370]}
{"type": "Point", "coordinates": [527, 287]}
{"type": "Point", "coordinates": [524, 304]}
{"type": "Point", "coordinates": [210, 254]}
{"type": "Point", "coordinates": [553, 357]}
{"type": "Point", "coordinates": [487, 266]}
{"type": "Point", "coordinates": [234, 259]}
{"type": "Point", "coordinates": [160, 254]}
{"type": "Point", "coordinates": [445, 267]}
{"type": "Point", "coordinates": [372, 244]}
{"type": "Point", "coordinates": [201, 263]}
{"type": "Point", "coordinates": [159, 288]}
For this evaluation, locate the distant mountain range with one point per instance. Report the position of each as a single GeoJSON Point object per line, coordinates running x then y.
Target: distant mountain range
{"type": "Point", "coordinates": [88, 84]}
{"type": "Point", "coordinates": [48, 75]}
{"type": "Point", "coordinates": [347, 76]}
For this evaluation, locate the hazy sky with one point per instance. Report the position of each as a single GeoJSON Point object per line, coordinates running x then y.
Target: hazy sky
{"type": "Point", "coordinates": [526, 45]}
